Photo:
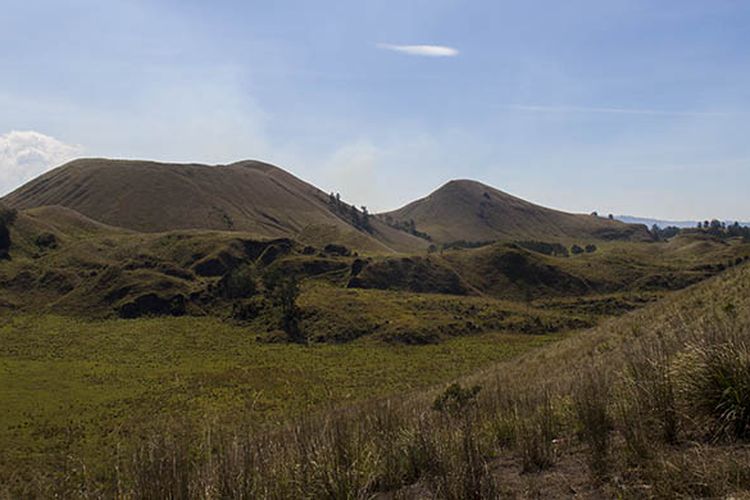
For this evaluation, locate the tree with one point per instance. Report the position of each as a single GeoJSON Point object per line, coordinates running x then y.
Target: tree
{"type": "Point", "coordinates": [283, 291]}
{"type": "Point", "coordinates": [354, 214]}
{"type": "Point", "coordinates": [7, 217]}
{"type": "Point", "coordinates": [575, 250]}
{"type": "Point", "coordinates": [365, 219]}
{"type": "Point", "coordinates": [667, 232]}
{"type": "Point", "coordinates": [238, 283]}
{"type": "Point", "coordinates": [591, 248]}
{"type": "Point", "coordinates": [715, 227]}
{"type": "Point", "coordinates": [611, 217]}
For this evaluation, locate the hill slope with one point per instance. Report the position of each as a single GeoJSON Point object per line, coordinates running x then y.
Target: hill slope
{"type": "Point", "coordinates": [471, 211]}
{"type": "Point", "coordinates": [248, 196]}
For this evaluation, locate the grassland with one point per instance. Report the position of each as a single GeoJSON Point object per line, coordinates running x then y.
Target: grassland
{"type": "Point", "coordinates": [74, 387]}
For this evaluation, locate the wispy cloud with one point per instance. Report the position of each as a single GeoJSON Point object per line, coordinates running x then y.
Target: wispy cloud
{"type": "Point", "coordinates": [613, 110]}
{"type": "Point", "coordinates": [421, 50]}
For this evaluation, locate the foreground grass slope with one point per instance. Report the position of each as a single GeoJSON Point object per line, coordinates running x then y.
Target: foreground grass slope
{"type": "Point", "coordinates": [653, 404]}
{"type": "Point", "coordinates": [82, 388]}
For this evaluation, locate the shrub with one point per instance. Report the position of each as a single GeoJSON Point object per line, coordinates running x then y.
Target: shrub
{"type": "Point", "coordinates": [715, 382]}
{"type": "Point", "coordinates": [456, 400]}
{"type": "Point", "coordinates": [555, 249]}
{"type": "Point", "coordinates": [46, 241]}
{"type": "Point", "coordinates": [576, 250]}
{"type": "Point", "coordinates": [283, 291]}
{"type": "Point", "coordinates": [248, 310]}
{"type": "Point", "coordinates": [239, 283]}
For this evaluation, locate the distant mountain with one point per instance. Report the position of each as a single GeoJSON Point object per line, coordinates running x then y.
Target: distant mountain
{"type": "Point", "coordinates": [665, 223]}
{"type": "Point", "coordinates": [247, 196]}
{"type": "Point", "coordinates": [471, 211]}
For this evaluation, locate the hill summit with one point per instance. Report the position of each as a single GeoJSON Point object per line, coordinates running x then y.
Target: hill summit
{"type": "Point", "coordinates": [471, 211]}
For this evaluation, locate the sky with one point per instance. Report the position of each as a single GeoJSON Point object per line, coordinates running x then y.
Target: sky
{"type": "Point", "coordinates": [620, 106]}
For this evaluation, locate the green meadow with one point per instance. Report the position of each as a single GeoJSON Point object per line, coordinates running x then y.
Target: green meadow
{"type": "Point", "coordinates": [78, 387]}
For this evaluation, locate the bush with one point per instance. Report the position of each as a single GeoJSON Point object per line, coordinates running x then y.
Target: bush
{"type": "Point", "coordinates": [555, 249]}
{"type": "Point", "coordinates": [239, 283]}
{"type": "Point", "coordinates": [576, 250]}
{"type": "Point", "coordinates": [46, 241]}
{"type": "Point", "coordinates": [248, 310]}
{"type": "Point", "coordinates": [283, 291]}
{"type": "Point", "coordinates": [456, 400]}
{"type": "Point", "coordinates": [715, 382]}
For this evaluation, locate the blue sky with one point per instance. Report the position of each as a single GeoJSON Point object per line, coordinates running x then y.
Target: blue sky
{"type": "Point", "coordinates": [636, 107]}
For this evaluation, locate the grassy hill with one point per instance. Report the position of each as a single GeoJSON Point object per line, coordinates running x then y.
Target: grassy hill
{"type": "Point", "coordinates": [247, 196]}
{"type": "Point", "coordinates": [473, 212]}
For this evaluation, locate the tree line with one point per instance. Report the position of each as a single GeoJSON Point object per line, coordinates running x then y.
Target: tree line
{"type": "Point", "coordinates": [713, 227]}
{"type": "Point", "coordinates": [358, 218]}
{"type": "Point", "coordinates": [408, 226]}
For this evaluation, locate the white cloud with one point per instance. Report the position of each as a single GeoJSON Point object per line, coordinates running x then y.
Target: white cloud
{"type": "Point", "coordinates": [25, 155]}
{"type": "Point", "coordinates": [421, 50]}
